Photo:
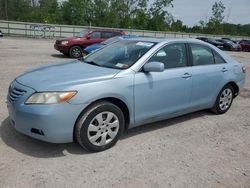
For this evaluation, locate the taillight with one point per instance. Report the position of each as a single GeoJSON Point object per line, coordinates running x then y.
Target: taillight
{"type": "Point", "coordinates": [244, 69]}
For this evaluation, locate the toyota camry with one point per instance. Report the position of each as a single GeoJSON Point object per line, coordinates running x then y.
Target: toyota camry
{"type": "Point", "coordinates": [93, 100]}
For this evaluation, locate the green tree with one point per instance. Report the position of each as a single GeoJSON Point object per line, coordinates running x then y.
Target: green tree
{"type": "Point", "coordinates": [160, 18]}
{"type": "Point", "coordinates": [139, 14]}
{"type": "Point", "coordinates": [177, 25]}
{"type": "Point", "coordinates": [100, 12]}
{"type": "Point", "coordinates": [77, 12]}
{"type": "Point", "coordinates": [14, 9]}
{"type": "Point", "coordinates": [217, 18]}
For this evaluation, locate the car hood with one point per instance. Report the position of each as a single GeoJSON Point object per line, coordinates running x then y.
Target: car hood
{"type": "Point", "coordinates": [66, 39]}
{"type": "Point", "coordinates": [93, 47]}
{"type": "Point", "coordinates": [64, 75]}
{"type": "Point", "coordinates": [70, 39]}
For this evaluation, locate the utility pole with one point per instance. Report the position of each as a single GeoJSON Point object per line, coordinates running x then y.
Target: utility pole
{"type": "Point", "coordinates": [6, 9]}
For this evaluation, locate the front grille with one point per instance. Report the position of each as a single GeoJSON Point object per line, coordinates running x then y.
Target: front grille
{"type": "Point", "coordinates": [58, 42]}
{"type": "Point", "coordinates": [15, 94]}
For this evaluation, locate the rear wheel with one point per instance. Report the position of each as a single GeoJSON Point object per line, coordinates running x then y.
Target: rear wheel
{"type": "Point", "coordinates": [75, 52]}
{"type": "Point", "coordinates": [224, 100]}
{"type": "Point", "coordinates": [100, 127]}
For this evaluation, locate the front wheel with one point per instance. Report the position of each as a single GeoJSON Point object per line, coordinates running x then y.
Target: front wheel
{"type": "Point", "coordinates": [224, 100]}
{"type": "Point", "coordinates": [100, 127]}
{"type": "Point", "coordinates": [75, 52]}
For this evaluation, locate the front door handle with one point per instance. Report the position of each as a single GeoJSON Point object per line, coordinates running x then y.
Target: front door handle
{"type": "Point", "coordinates": [224, 69]}
{"type": "Point", "coordinates": [186, 75]}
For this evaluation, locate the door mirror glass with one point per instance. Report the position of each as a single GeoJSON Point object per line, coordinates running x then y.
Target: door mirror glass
{"type": "Point", "coordinates": [153, 67]}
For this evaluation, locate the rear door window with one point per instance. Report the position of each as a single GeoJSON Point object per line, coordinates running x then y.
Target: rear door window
{"type": "Point", "coordinates": [95, 35]}
{"type": "Point", "coordinates": [116, 34]}
{"type": "Point", "coordinates": [201, 55]}
{"type": "Point", "coordinates": [107, 35]}
{"type": "Point", "coordinates": [218, 59]}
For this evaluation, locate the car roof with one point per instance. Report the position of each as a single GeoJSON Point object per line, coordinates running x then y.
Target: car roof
{"type": "Point", "coordinates": [158, 40]}
{"type": "Point", "coordinates": [106, 30]}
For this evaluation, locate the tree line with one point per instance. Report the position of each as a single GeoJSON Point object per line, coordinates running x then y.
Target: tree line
{"type": "Point", "coordinates": [134, 14]}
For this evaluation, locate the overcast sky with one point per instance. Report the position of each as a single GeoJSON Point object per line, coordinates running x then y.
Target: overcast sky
{"type": "Point", "coordinates": [192, 11]}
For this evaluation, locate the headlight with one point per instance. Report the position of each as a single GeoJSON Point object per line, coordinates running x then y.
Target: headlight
{"type": "Point", "coordinates": [50, 97]}
{"type": "Point", "coordinates": [64, 42]}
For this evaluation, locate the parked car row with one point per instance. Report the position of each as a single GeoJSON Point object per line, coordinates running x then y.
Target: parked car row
{"type": "Point", "coordinates": [88, 41]}
{"type": "Point", "coordinates": [228, 44]}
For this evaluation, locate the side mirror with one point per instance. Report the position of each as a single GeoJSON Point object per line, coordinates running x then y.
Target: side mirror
{"type": "Point", "coordinates": [88, 37]}
{"type": "Point", "coordinates": [153, 67]}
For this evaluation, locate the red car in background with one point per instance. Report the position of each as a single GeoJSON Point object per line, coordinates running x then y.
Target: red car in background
{"type": "Point", "coordinates": [73, 46]}
{"type": "Point", "coordinates": [245, 45]}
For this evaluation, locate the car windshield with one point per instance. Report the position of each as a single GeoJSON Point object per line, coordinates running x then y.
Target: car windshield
{"type": "Point", "coordinates": [230, 42]}
{"type": "Point", "coordinates": [212, 40]}
{"type": "Point", "coordinates": [119, 55]}
{"type": "Point", "coordinates": [110, 41]}
{"type": "Point", "coordinates": [82, 33]}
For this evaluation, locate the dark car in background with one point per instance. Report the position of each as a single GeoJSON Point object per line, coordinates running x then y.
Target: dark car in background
{"type": "Point", "coordinates": [211, 41]}
{"type": "Point", "coordinates": [73, 46]}
{"type": "Point", "coordinates": [226, 38]}
{"type": "Point", "coordinates": [1, 34]}
{"type": "Point", "coordinates": [245, 45]}
{"type": "Point", "coordinates": [229, 45]}
{"type": "Point", "coordinates": [97, 46]}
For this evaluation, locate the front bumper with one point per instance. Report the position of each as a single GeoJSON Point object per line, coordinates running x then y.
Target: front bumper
{"type": "Point", "coordinates": [51, 123]}
{"type": "Point", "coordinates": [62, 48]}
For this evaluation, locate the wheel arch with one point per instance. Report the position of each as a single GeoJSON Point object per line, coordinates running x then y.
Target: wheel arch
{"type": "Point", "coordinates": [235, 87]}
{"type": "Point", "coordinates": [116, 101]}
{"type": "Point", "coordinates": [73, 45]}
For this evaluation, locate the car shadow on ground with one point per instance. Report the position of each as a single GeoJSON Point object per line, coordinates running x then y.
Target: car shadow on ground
{"type": "Point", "coordinates": [61, 56]}
{"type": "Point", "coordinates": [39, 149]}
{"type": "Point", "coordinates": [33, 147]}
{"type": "Point", "coordinates": [165, 123]}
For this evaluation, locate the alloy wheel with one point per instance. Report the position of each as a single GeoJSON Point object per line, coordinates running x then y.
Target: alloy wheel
{"type": "Point", "coordinates": [226, 98]}
{"type": "Point", "coordinates": [103, 128]}
{"type": "Point", "coordinates": [76, 52]}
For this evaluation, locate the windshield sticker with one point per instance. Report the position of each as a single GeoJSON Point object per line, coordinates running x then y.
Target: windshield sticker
{"type": "Point", "coordinates": [120, 65]}
{"type": "Point", "coordinates": [147, 44]}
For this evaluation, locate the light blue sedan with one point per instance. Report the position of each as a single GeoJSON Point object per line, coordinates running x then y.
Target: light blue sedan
{"type": "Point", "coordinates": [126, 84]}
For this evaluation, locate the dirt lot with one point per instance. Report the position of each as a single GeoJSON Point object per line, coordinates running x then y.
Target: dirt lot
{"type": "Point", "coordinates": [195, 150]}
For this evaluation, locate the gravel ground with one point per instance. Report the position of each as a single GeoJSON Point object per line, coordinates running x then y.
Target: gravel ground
{"type": "Point", "coordinates": [195, 150]}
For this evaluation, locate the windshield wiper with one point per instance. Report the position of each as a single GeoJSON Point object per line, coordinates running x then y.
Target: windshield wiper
{"type": "Point", "coordinates": [91, 63]}
{"type": "Point", "coordinates": [96, 64]}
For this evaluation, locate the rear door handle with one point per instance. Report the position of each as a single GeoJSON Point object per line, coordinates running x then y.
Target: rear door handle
{"type": "Point", "coordinates": [186, 75]}
{"type": "Point", "coordinates": [224, 69]}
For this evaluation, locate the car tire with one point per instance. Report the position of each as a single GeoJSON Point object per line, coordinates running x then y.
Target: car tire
{"type": "Point", "coordinates": [100, 126]}
{"type": "Point", "coordinates": [75, 52]}
{"type": "Point", "coordinates": [224, 100]}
